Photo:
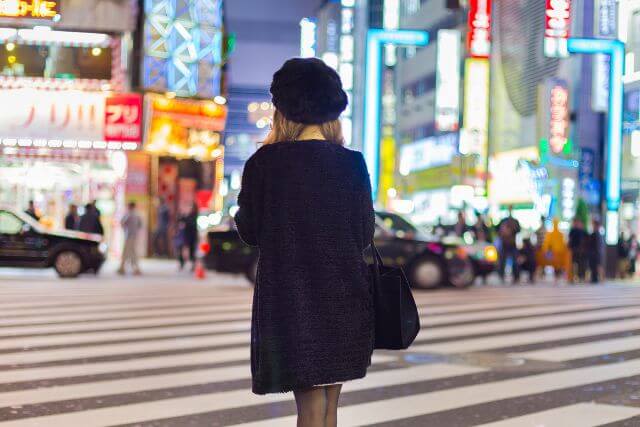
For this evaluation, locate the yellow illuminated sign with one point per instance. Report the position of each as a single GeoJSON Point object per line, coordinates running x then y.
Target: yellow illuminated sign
{"type": "Point", "coordinates": [39, 9]}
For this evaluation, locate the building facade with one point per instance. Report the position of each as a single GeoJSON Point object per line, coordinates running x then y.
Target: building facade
{"type": "Point", "coordinates": [182, 74]}
{"type": "Point", "coordinates": [428, 86]}
{"type": "Point", "coordinates": [70, 122]}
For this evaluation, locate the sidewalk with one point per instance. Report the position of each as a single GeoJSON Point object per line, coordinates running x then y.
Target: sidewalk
{"type": "Point", "coordinates": [161, 271]}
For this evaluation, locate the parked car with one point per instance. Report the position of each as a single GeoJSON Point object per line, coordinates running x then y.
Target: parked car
{"type": "Point", "coordinates": [25, 243]}
{"type": "Point", "coordinates": [428, 262]}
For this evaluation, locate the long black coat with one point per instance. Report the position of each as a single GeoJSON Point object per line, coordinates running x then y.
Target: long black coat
{"type": "Point", "coordinates": [307, 206]}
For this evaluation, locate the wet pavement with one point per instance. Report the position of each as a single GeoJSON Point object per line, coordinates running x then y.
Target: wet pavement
{"type": "Point", "coordinates": [165, 349]}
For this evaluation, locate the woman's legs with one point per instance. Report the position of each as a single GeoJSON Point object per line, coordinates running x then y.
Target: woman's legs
{"type": "Point", "coordinates": [312, 407]}
{"type": "Point", "coordinates": [333, 396]}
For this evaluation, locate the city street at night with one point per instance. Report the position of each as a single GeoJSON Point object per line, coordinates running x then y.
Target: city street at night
{"type": "Point", "coordinates": [319, 213]}
{"type": "Point", "coordinates": [165, 349]}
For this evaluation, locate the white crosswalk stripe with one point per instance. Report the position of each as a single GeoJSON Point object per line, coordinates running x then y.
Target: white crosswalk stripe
{"type": "Point", "coordinates": [90, 356]}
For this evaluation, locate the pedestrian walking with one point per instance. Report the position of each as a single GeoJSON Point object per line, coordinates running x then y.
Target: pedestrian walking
{"type": "Point", "coordinates": [31, 211]}
{"type": "Point", "coordinates": [161, 233]}
{"type": "Point", "coordinates": [556, 251]}
{"type": "Point", "coordinates": [633, 246]}
{"type": "Point", "coordinates": [90, 220]}
{"type": "Point", "coordinates": [577, 245]}
{"type": "Point", "coordinates": [72, 220]}
{"type": "Point", "coordinates": [306, 203]}
{"type": "Point", "coordinates": [623, 256]}
{"type": "Point", "coordinates": [131, 225]}
{"type": "Point", "coordinates": [527, 259]}
{"type": "Point", "coordinates": [460, 227]}
{"type": "Point", "coordinates": [595, 245]}
{"type": "Point", "coordinates": [508, 230]}
{"type": "Point", "coordinates": [188, 236]}
{"type": "Point", "coordinates": [481, 230]}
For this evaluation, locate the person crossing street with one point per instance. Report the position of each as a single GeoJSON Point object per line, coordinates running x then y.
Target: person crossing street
{"type": "Point", "coordinates": [131, 225]}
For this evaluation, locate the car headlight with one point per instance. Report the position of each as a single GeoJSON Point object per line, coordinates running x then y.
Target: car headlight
{"type": "Point", "coordinates": [491, 254]}
{"type": "Point", "coordinates": [102, 248]}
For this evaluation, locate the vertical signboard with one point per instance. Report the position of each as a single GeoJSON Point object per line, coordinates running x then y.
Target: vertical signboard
{"type": "Point", "coordinates": [474, 138]}
{"type": "Point", "coordinates": [559, 117]}
{"type": "Point", "coordinates": [557, 27]}
{"type": "Point", "coordinates": [605, 26]}
{"type": "Point", "coordinates": [448, 81]}
{"type": "Point", "coordinates": [479, 33]}
{"type": "Point", "coordinates": [123, 117]}
{"type": "Point", "coordinates": [307, 38]}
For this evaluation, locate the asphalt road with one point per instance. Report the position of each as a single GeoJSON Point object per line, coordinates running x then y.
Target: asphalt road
{"type": "Point", "coordinates": [165, 349]}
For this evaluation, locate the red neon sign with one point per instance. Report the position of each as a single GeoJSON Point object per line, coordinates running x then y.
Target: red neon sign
{"type": "Point", "coordinates": [559, 123]}
{"type": "Point", "coordinates": [479, 34]}
{"type": "Point", "coordinates": [123, 117]}
{"type": "Point", "coordinates": [558, 19]}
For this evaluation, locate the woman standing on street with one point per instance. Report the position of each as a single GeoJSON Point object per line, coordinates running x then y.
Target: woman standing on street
{"type": "Point", "coordinates": [306, 203]}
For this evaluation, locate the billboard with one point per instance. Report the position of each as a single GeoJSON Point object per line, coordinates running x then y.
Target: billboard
{"type": "Point", "coordinates": [447, 109]}
{"type": "Point", "coordinates": [428, 153]}
{"type": "Point", "coordinates": [183, 128]}
{"type": "Point", "coordinates": [69, 119]}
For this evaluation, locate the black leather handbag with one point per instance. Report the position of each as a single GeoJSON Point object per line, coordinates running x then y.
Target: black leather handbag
{"type": "Point", "coordinates": [397, 322]}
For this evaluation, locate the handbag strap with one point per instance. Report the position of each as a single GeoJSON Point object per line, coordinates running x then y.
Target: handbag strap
{"type": "Point", "coordinates": [377, 259]}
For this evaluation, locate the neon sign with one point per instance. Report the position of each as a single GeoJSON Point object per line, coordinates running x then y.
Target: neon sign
{"type": "Point", "coordinates": [373, 80]}
{"type": "Point", "coordinates": [615, 49]}
{"type": "Point", "coordinates": [559, 123]}
{"type": "Point", "coordinates": [39, 9]}
{"type": "Point", "coordinates": [557, 25]}
{"type": "Point", "coordinates": [479, 35]}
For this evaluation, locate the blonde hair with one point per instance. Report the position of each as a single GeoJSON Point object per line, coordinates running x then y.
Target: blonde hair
{"type": "Point", "coordinates": [285, 130]}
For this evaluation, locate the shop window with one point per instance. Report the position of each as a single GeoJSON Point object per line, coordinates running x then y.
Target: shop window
{"type": "Point", "coordinates": [9, 223]}
{"type": "Point", "coordinates": [53, 61]}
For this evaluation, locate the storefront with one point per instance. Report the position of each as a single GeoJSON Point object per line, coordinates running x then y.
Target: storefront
{"type": "Point", "coordinates": [630, 211]}
{"type": "Point", "coordinates": [67, 147]}
{"type": "Point", "coordinates": [68, 125]}
{"type": "Point", "coordinates": [183, 137]}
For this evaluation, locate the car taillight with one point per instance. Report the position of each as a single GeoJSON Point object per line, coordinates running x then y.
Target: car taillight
{"type": "Point", "coordinates": [491, 254]}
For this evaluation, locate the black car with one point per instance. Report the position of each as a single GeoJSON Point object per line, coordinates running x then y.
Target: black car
{"type": "Point", "coordinates": [428, 262]}
{"type": "Point", "coordinates": [25, 243]}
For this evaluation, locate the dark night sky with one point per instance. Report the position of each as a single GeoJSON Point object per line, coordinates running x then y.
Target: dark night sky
{"type": "Point", "coordinates": [267, 33]}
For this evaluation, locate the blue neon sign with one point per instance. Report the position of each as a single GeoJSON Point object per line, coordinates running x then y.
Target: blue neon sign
{"type": "Point", "coordinates": [376, 38]}
{"type": "Point", "coordinates": [616, 51]}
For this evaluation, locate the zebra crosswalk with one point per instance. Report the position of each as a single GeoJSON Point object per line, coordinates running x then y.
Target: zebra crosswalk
{"type": "Point", "coordinates": [176, 354]}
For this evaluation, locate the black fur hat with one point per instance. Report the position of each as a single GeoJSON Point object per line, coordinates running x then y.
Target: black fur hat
{"type": "Point", "coordinates": [306, 90]}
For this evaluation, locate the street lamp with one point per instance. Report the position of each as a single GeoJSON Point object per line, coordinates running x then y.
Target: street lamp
{"type": "Point", "coordinates": [376, 38]}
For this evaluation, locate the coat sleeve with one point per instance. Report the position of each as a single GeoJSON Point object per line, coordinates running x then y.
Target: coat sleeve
{"type": "Point", "coordinates": [247, 216]}
{"type": "Point", "coordinates": [368, 217]}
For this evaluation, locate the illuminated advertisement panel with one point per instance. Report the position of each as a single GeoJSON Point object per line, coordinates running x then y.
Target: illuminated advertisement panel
{"type": "Point", "coordinates": [36, 9]}
{"type": "Point", "coordinates": [307, 38]}
{"type": "Point", "coordinates": [448, 81]}
{"type": "Point", "coordinates": [428, 153]}
{"type": "Point", "coordinates": [479, 34]}
{"type": "Point", "coordinates": [605, 26]}
{"type": "Point", "coordinates": [559, 117]}
{"type": "Point", "coordinates": [182, 47]}
{"type": "Point", "coordinates": [184, 128]}
{"type": "Point", "coordinates": [476, 108]}
{"type": "Point", "coordinates": [557, 26]}
{"type": "Point", "coordinates": [70, 119]}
